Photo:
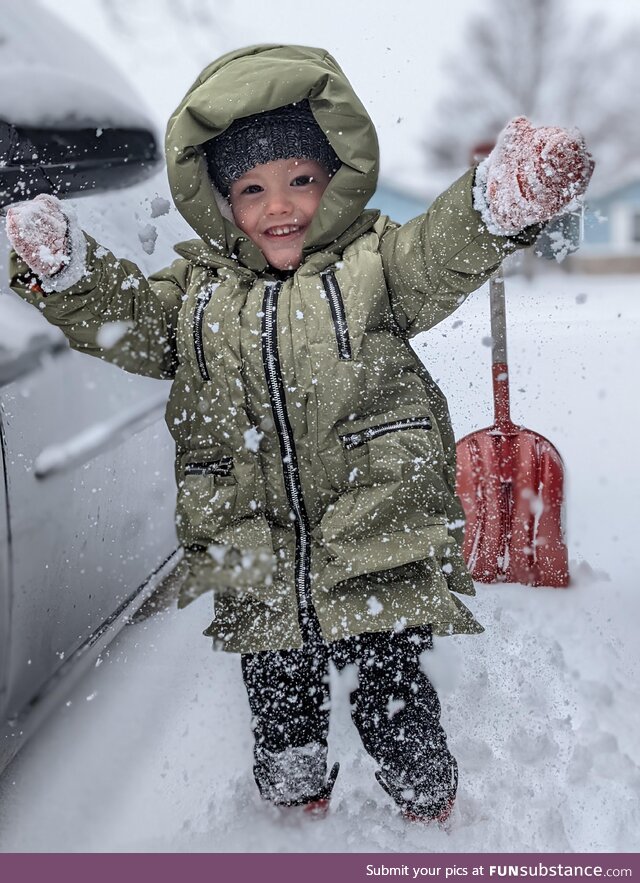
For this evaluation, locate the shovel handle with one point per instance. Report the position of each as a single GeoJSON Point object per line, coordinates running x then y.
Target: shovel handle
{"type": "Point", "coordinates": [500, 368]}
{"type": "Point", "coordinates": [498, 318]}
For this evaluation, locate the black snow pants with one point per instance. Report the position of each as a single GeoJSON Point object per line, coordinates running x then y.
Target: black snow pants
{"type": "Point", "coordinates": [394, 707]}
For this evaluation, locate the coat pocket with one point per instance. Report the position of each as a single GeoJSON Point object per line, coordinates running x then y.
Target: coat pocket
{"type": "Point", "coordinates": [357, 439]}
{"type": "Point", "coordinates": [207, 494]}
{"type": "Point", "coordinates": [222, 467]}
{"type": "Point", "coordinates": [202, 302]}
{"type": "Point", "coordinates": [378, 450]}
{"type": "Point", "coordinates": [396, 483]}
{"type": "Point", "coordinates": [338, 315]}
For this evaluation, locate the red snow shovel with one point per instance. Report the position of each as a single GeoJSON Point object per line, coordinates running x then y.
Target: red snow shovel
{"type": "Point", "coordinates": [510, 481]}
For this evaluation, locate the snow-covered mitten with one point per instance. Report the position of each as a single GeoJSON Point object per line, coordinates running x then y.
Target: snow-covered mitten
{"type": "Point", "coordinates": [532, 174]}
{"type": "Point", "coordinates": [47, 237]}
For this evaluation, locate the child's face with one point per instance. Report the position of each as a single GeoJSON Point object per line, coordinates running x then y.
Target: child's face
{"type": "Point", "coordinates": [274, 204]}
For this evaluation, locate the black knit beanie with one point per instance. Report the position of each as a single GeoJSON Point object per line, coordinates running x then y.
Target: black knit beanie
{"type": "Point", "coordinates": [285, 133]}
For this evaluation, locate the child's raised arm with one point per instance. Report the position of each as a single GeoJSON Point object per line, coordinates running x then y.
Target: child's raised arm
{"type": "Point", "coordinates": [434, 261]}
{"type": "Point", "coordinates": [106, 307]}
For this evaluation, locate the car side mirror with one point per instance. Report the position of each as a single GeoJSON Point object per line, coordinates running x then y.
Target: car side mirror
{"type": "Point", "coordinates": [63, 161]}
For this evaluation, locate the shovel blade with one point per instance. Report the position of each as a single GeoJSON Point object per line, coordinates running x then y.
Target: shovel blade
{"type": "Point", "coordinates": [511, 485]}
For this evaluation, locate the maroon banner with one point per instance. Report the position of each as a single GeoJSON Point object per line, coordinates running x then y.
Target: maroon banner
{"type": "Point", "coordinates": [312, 868]}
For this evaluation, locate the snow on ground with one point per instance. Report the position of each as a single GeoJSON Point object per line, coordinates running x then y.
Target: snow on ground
{"type": "Point", "coordinates": [152, 751]}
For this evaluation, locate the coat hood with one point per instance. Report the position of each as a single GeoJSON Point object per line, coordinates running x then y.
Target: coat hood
{"type": "Point", "coordinates": [253, 80]}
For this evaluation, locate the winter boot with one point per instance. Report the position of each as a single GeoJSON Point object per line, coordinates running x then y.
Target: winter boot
{"type": "Point", "coordinates": [316, 807]}
{"type": "Point", "coordinates": [319, 806]}
{"type": "Point", "coordinates": [429, 800]}
{"type": "Point", "coordinates": [296, 777]}
{"type": "Point", "coordinates": [438, 819]}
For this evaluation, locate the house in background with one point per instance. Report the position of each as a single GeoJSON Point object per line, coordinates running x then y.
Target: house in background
{"type": "Point", "coordinates": [611, 233]}
{"type": "Point", "coordinates": [611, 242]}
{"type": "Point", "coordinates": [400, 206]}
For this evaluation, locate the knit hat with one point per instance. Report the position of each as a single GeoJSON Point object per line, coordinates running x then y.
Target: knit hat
{"type": "Point", "coordinates": [285, 133]}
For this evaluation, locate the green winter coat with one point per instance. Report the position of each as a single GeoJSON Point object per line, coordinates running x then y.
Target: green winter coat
{"type": "Point", "coordinates": [315, 459]}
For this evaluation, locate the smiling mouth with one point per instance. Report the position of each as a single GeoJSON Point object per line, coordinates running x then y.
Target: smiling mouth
{"type": "Point", "coordinates": [284, 231]}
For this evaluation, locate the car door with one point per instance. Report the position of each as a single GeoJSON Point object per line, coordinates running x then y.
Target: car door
{"type": "Point", "coordinates": [4, 578]}
{"type": "Point", "coordinates": [89, 492]}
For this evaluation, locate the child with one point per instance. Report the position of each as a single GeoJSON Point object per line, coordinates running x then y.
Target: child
{"type": "Point", "coordinates": [315, 459]}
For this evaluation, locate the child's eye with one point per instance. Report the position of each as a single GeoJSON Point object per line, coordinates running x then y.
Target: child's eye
{"type": "Point", "coordinates": [252, 188]}
{"type": "Point", "coordinates": [303, 180]}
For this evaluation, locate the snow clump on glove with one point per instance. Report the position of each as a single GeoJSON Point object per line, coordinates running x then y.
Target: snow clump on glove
{"type": "Point", "coordinates": [48, 238]}
{"type": "Point", "coordinates": [530, 175]}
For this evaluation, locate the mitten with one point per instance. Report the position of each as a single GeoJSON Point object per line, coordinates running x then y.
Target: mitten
{"type": "Point", "coordinates": [227, 571]}
{"type": "Point", "coordinates": [48, 239]}
{"type": "Point", "coordinates": [530, 175]}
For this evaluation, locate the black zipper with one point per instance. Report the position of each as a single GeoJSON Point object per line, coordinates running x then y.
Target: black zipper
{"type": "Point", "coordinates": [202, 300]}
{"type": "Point", "coordinates": [336, 305]}
{"type": "Point", "coordinates": [223, 466]}
{"type": "Point", "coordinates": [356, 439]}
{"type": "Point", "coordinates": [275, 385]}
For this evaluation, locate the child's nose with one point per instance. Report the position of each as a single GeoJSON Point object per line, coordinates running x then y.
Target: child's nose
{"type": "Point", "coordinates": [278, 203]}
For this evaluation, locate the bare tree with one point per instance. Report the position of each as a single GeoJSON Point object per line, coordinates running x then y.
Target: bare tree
{"type": "Point", "coordinates": [533, 57]}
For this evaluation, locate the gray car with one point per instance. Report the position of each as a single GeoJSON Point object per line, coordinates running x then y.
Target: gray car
{"type": "Point", "coordinates": [86, 491]}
